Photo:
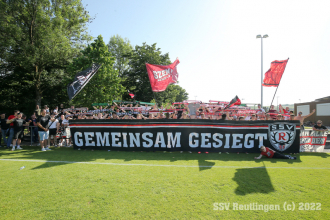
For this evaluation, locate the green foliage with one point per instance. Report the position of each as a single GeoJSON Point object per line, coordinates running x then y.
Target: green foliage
{"type": "Point", "coordinates": [38, 39]}
{"type": "Point", "coordinates": [137, 80]}
{"type": "Point", "coordinates": [105, 85]}
{"type": "Point", "coordinates": [173, 93]}
{"type": "Point", "coordinates": [120, 48]}
{"type": "Point", "coordinates": [136, 77]}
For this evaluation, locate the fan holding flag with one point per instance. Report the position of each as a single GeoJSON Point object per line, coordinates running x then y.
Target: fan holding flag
{"type": "Point", "coordinates": [234, 101]}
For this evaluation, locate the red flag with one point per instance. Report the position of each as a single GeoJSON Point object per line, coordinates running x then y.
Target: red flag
{"type": "Point", "coordinates": [161, 76]}
{"type": "Point", "coordinates": [131, 94]}
{"type": "Point", "coordinates": [274, 74]}
{"type": "Point", "coordinates": [234, 101]}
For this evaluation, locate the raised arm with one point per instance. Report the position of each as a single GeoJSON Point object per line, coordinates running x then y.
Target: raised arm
{"type": "Point", "coordinates": [281, 109]}
{"type": "Point", "coordinates": [306, 116]}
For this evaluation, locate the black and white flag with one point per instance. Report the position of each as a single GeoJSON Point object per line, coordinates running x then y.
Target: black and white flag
{"type": "Point", "coordinates": [81, 79]}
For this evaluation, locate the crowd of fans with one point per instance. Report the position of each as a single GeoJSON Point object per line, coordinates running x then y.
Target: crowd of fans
{"type": "Point", "coordinates": [50, 127]}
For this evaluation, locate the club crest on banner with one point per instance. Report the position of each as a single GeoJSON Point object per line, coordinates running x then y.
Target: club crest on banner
{"type": "Point", "coordinates": [281, 135]}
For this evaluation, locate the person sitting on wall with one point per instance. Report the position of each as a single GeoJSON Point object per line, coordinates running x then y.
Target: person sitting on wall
{"type": "Point", "coordinates": [319, 126]}
{"type": "Point", "coordinates": [265, 151]}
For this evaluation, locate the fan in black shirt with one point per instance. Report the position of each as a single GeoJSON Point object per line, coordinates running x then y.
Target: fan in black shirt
{"type": "Point", "coordinates": [4, 127]}
{"type": "Point", "coordinates": [19, 124]}
{"type": "Point", "coordinates": [319, 126]}
{"type": "Point", "coordinates": [42, 123]}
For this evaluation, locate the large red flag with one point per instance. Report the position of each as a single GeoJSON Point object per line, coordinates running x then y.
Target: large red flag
{"type": "Point", "coordinates": [274, 74]}
{"type": "Point", "coordinates": [161, 76]}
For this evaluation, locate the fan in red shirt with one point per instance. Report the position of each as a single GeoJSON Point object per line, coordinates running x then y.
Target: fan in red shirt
{"type": "Point", "coordinates": [12, 117]}
{"type": "Point", "coordinates": [265, 151]}
{"type": "Point", "coordinates": [11, 128]}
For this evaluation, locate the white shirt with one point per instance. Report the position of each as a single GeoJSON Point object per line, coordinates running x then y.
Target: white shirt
{"type": "Point", "coordinates": [52, 125]}
{"type": "Point", "coordinates": [65, 122]}
{"type": "Point", "coordinates": [260, 110]}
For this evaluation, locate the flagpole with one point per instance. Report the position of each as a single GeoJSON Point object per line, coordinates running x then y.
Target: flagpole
{"type": "Point", "coordinates": [274, 96]}
{"type": "Point", "coordinates": [154, 96]}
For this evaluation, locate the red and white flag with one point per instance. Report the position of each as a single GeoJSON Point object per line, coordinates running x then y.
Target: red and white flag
{"type": "Point", "coordinates": [274, 74]}
{"type": "Point", "coordinates": [161, 76]}
{"type": "Point", "coordinates": [130, 94]}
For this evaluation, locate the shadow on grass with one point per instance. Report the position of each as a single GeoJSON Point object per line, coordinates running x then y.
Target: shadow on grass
{"type": "Point", "coordinates": [68, 155]}
{"type": "Point", "coordinates": [253, 180]}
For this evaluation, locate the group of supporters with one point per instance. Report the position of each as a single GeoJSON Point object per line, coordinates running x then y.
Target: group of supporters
{"type": "Point", "coordinates": [45, 127]}
{"type": "Point", "coordinates": [188, 111]}
{"type": "Point", "coordinates": [50, 126]}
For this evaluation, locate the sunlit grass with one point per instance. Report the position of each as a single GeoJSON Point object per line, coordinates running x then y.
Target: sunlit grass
{"type": "Point", "coordinates": [144, 187]}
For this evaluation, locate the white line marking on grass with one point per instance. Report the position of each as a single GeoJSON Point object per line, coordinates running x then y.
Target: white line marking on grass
{"type": "Point", "coordinates": [162, 165]}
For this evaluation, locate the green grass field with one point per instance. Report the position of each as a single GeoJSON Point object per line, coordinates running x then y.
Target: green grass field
{"type": "Point", "coordinates": [157, 185]}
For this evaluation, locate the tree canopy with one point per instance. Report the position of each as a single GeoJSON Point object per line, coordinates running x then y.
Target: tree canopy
{"type": "Point", "coordinates": [43, 45]}
{"type": "Point", "coordinates": [121, 49]}
{"type": "Point", "coordinates": [38, 39]}
{"type": "Point", "coordinates": [136, 77]}
{"type": "Point", "coordinates": [105, 86]}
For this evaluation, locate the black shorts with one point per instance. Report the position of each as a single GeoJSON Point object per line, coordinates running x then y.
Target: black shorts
{"type": "Point", "coordinates": [19, 134]}
{"type": "Point", "coordinates": [52, 131]}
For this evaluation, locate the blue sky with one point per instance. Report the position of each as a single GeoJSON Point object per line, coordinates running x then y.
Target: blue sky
{"type": "Point", "coordinates": [216, 43]}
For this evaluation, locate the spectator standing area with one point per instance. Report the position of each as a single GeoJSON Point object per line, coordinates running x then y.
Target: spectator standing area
{"type": "Point", "coordinates": [186, 135]}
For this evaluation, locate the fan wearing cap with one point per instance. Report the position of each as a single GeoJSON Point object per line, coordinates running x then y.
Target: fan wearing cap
{"type": "Point", "coordinates": [253, 117]}
{"type": "Point", "coordinates": [279, 117]}
{"type": "Point", "coordinates": [319, 126]}
{"type": "Point", "coordinates": [265, 151]}
{"type": "Point", "coordinates": [301, 118]}
{"type": "Point", "coordinates": [291, 117]}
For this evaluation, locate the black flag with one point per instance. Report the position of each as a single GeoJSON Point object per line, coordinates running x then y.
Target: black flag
{"type": "Point", "coordinates": [234, 101]}
{"type": "Point", "coordinates": [81, 79]}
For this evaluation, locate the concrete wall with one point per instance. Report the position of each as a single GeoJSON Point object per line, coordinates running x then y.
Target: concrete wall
{"type": "Point", "coordinates": [314, 117]}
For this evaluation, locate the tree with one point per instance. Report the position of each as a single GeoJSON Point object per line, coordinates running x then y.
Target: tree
{"type": "Point", "coordinates": [105, 85]}
{"type": "Point", "coordinates": [120, 48]}
{"type": "Point", "coordinates": [173, 93]}
{"type": "Point", "coordinates": [38, 39]}
{"type": "Point", "coordinates": [136, 77]}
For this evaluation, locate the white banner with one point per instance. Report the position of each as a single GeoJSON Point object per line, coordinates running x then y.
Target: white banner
{"type": "Point", "coordinates": [312, 141]}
